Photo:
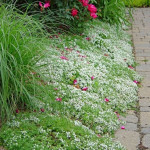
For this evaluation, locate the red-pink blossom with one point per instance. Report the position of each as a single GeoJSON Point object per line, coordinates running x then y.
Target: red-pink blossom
{"type": "Point", "coordinates": [88, 38]}
{"type": "Point", "coordinates": [106, 100]}
{"type": "Point", "coordinates": [74, 12]}
{"type": "Point", "coordinates": [59, 99]}
{"type": "Point", "coordinates": [92, 8]}
{"type": "Point", "coordinates": [93, 15]}
{"type": "Point", "coordinates": [75, 82]}
{"type": "Point", "coordinates": [92, 78]}
{"type": "Point", "coordinates": [85, 89]}
{"type": "Point", "coordinates": [42, 109]}
{"type": "Point", "coordinates": [85, 3]}
{"type": "Point", "coordinates": [122, 127]}
{"type": "Point", "coordinates": [17, 111]}
{"type": "Point", "coordinates": [130, 67]}
{"type": "Point", "coordinates": [46, 5]}
{"type": "Point", "coordinates": [40, 4]}
{"type": "Point", "coordinates": [135, 81]}
{"type": "Point", "coordinates": [63, 57]}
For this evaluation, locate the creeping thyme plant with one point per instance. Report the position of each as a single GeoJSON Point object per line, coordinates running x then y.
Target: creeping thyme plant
{"type": "Point", "coordinates": [90, 81]}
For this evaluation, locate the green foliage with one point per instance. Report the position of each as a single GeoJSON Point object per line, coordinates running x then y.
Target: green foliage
{"type": "Point", "coordinates": [114, 11]}
{"type": "Point", "coordinates": [137, 3]}
{"type": "Point", "coordinates": [57, 17]}
{"type": "Point", "coordinates": [21, 47]}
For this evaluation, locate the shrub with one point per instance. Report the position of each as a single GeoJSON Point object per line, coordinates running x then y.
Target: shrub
{"type": "Point", "coordinates": [21, 47]}
{"type": "Point", "coordinates": [137, 3]}
{"type": "Point", "coordinates": [59, 15]}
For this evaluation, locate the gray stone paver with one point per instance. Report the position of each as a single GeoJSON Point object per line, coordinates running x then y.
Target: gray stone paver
{"type": "Point", "coordinates": [144, 102]}
{"type": "Point", "coordinates": [136, 135]}
{"type": "Point", "coordinates": [144, 92]}
{"type": "Point", "coordinates": [145, 130]}
{"type": "Point", "coordinates": [130, 139]}
{"type": "Point", "coordinates": [145, 109]}
{"type": "Point", "coordinates": [143, 67]}
{"type": "Point", "coordinates": [130, 119]}
{"type": "Point", "coordinates": [131, 126]}
{"type": "Point", "coordinates": [146, 140]}
{"type": "Point", "coordinates": [145, 119]}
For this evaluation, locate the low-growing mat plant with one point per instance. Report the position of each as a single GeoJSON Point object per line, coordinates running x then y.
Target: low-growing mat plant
{"type": "Point", "coordinates": [22, 45]}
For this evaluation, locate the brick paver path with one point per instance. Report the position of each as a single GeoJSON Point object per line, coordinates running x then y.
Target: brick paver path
{"type": "Point", "coordinates": [136, 136]}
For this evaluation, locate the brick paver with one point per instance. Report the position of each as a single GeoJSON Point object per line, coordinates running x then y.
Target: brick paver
{"type": "Point", "coordinates": [138, 125]}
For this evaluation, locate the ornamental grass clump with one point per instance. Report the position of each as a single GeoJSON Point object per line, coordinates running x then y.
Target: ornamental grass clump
{"type": "Point", "coordinates": [21, 47]}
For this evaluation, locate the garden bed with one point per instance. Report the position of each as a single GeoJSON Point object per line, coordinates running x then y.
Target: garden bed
{"type": "Point", "coordinates": [90, 82]}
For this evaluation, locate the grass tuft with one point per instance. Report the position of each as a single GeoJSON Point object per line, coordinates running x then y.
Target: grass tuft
{"type": "Point", "coordinates": [21, 47]}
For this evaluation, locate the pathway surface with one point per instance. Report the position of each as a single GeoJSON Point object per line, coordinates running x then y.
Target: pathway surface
{"type": "Point", "coordinates": [136, 136]}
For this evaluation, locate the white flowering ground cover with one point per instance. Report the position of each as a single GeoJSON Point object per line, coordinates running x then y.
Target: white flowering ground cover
{"type": "Point", "coordinates": [90, 82]}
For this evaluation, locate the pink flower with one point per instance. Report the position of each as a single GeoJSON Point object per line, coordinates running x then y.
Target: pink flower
{"type": "Point", "coordinates": [74, 12]}
{"type": "Point", "coordinates": [122, 127]}
{"type": "Point", "coordinates": [42, 109]}
{"type": "Point", "coordinates": [130, 67]}
{"type": "Point", "coordinates": [85, 3]}
{"type": "Point", "coordinates": [17, 111]}
{"type": "Point", "coordinates": [63, 57]}
{"type": "Point", "coordinates": [135, 81]}
{"type": "Point", "coordinates": [88, 38]}
{"type": "Point", "coordinates": [106, 100]}
{"type": "Point", "coordinates": [55, 89]}
{"type": "Point", "coordinates": [75, 82]}
{"type": "Point", "coordinates": [92, 78]}
{"type": "Point", "coordinates": [40, 4]}
{"type": "Point", "coordinates": [46, 5]}
{"type": "Point", "coordinates": [85, 89]}
{"type": "Point", "coordinates": [93, 15]}
{"type": "Point", "coordinates": [59, 99]}
{"type": "Point", "coordinates": [92, 8]}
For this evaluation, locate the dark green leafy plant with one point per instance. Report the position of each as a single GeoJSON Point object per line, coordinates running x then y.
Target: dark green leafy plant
{"type": "Point", "coordinates": [57, 17]}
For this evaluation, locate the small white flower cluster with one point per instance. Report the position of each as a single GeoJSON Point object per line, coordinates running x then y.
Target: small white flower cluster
{"type": "Point", "coordinates": [13, 123]}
